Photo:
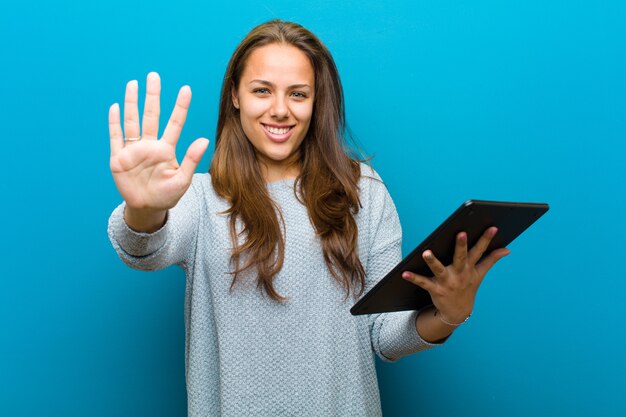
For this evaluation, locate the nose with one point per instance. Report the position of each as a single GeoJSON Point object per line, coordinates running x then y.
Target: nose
{"type": "Point", "coordinates": [279, 109]}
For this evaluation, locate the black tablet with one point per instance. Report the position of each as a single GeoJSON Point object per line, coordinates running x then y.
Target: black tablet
{"type": "Point", "coordinates": [393, 293]}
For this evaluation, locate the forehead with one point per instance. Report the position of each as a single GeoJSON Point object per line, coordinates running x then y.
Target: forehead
{"type": "Point", "coordinates": [278, 64]}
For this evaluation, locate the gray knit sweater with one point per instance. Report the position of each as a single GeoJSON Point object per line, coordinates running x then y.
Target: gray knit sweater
{"type": "Point", "coordinates": [248, 355]}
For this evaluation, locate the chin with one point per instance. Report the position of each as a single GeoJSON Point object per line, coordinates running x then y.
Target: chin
{"type": "Point", "coordinates": [278, 155]}
{"type": "Point", "coordinates": [278, 159]}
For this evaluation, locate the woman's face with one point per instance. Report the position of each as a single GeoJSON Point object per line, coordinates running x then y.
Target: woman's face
{"type": "Point", "coordinates": [275, 101]}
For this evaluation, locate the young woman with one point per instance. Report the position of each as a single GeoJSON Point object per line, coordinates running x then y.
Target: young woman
{"type": "Point", "coordinates": [278, 240]}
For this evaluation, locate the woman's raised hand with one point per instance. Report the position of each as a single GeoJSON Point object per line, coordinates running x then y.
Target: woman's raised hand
{"type": "Point", "coordinates": [144, 168]}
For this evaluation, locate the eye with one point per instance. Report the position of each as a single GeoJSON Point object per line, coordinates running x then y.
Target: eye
{"type": "Point", "coordinates": [299, 95]}
{"type": "Point", "coordinates": [261, 91]}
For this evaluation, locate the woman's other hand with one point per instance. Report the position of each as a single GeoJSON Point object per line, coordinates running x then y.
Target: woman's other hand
{"type": "Point", "coordinates": [453, 288]}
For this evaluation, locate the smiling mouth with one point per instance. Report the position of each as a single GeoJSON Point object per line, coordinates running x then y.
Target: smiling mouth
{"type": "Point", "coordinates": [275, 130]}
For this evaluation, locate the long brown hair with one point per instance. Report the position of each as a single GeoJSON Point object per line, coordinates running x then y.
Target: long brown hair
{"type": "Point", "coordinates": [326, 184]}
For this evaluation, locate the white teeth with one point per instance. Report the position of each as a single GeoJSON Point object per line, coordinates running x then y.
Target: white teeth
{"type": "Point", "coordinates": [277, 130]}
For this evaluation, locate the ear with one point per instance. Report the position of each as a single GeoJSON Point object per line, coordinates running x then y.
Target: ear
{"type": "Point", "coordinates": [235, 97]}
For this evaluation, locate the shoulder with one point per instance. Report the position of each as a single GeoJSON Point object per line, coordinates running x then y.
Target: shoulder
{"type": "Point", "coordinates": [373, 194]}
{"type": "Point", "coordinates": [202, 189]}
{"type": "Point", "coordinates": [202, 184]}
{"type": "Point", "coordinates": [203, 179]}
{"type": "Point", "coordinates": [368, 173]}
{"type": "Point", "coordinates": [370, 183]}
{"type": "Point", "coordinates": [379, 224]}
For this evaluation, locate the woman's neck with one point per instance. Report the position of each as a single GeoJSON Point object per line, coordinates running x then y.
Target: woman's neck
{"type": "Point", "coordinates": [273, 171]}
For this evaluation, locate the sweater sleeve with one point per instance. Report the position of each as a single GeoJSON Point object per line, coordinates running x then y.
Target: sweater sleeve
{"type": "Point", "coordinates": [173, 243]}
{"type": "Point", "coordinates": [393, 335]}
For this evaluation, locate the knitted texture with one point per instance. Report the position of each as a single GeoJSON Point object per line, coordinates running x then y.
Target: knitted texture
{"type": "Point", "coordinates": [248, 355]}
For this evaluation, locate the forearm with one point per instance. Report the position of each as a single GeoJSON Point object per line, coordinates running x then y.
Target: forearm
{"type": "Point", "coordinates": [393, 335]}
{"type": "Point", "coordinates": [432, 328]}
{"type": "Point", "coordinates": [144, 220]}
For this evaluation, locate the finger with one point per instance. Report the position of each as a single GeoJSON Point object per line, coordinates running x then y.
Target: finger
{"type": "Point", "coordinates": [481, 246]}
{"type": "Point", "coordinates": [460, 252]}
{"type": "Point", "coordinates": [178, 117]}
{"type": "Point", "coordinates": [131, 113]}
{"type": "Point", "coordinates": [426, 283]}
{"type": "Point", "coordinates": [151, 110]}
{"type": "Point", "coordinates": [115, 129]}
{"type": "Point", "coordinates": [435, 266]}
{"type": "Point", "coordinates": [193, 157]}
{"type": "Point", "coordinates": [486, 264]}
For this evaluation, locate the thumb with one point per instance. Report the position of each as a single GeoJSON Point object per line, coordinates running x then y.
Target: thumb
{"type": "Point", "coordinates": [193, 156]}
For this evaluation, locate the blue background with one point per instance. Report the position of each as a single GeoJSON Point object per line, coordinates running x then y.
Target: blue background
{"type": "Point", "coordinates": [455, 99]}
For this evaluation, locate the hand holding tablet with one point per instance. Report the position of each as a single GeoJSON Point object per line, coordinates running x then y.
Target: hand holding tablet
{"type": "Point", "coordinates": [453, 288]}
{"type": "Point", "coordinates": [447, 268]}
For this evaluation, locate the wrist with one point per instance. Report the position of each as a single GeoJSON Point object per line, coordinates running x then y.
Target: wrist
{"type": "Point", "coordinates": [454, 322]}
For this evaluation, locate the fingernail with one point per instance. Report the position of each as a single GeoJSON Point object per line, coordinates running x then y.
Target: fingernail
{"type": "Point", "coordinates": [428, 254]}
{"type": "Point", "coordinates": [406, 275]}
{"type": "Point", "coordinates": [462, 236]}
{"type": "Point", "coordinates": [494, 231]}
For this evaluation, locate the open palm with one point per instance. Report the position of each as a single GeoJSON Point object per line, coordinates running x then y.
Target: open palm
{"type": "Point", "coordinates": [146, 171]}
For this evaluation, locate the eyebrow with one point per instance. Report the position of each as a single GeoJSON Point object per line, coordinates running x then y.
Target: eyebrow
{"type": "Point", "coordinates": [269, 84]}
